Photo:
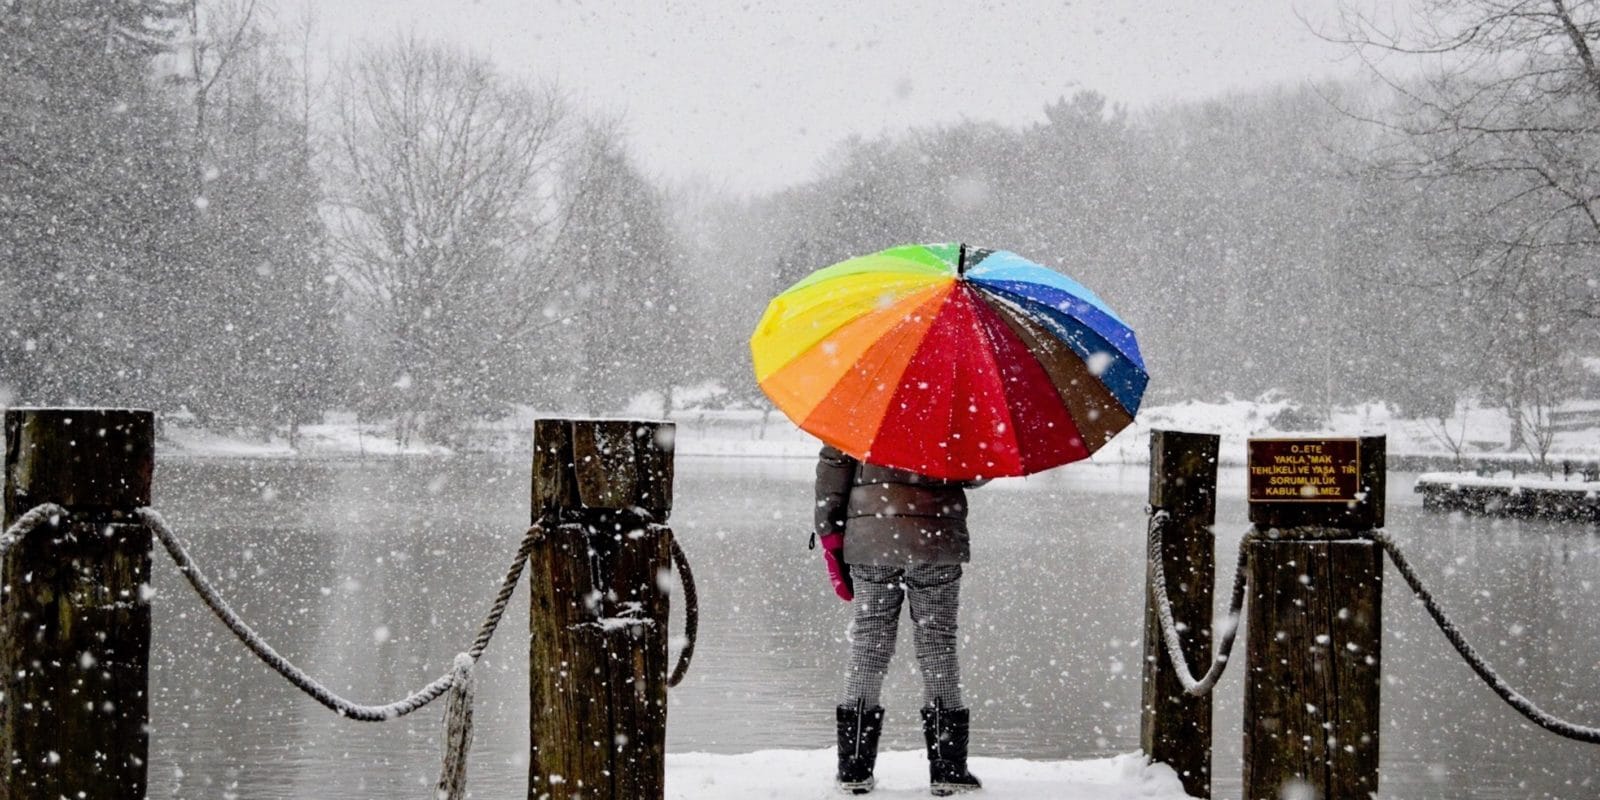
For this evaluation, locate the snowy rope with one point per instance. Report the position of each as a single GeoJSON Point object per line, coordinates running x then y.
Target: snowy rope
{"type": "Point", "coordinates": [297, 676]}
{"type": "Point", "coordinates": [458, 682]}
{"type": "Point", "coordinates": [25, 524]}
{"type": "Point", "coordinates": [1169, 627]}
{"type": "Point", "coordinates": [691, 611]}
{"type": "Point", "coordinates": [1515, 699]}
{"type": "Point", "coordinates": [452, 783]}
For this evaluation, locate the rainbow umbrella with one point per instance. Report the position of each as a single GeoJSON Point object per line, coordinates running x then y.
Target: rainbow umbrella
{"type": "Point", "coordinates": [950, 361]}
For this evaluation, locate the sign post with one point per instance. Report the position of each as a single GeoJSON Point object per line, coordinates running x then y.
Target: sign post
{"type": "Point", "coordinates": [1314, 628]}
{"type": "Point", "coordinates": [1323, 483]}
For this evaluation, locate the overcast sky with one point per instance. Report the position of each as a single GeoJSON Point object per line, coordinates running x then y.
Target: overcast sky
{"type": "Point", "coordinates": [750, 95]}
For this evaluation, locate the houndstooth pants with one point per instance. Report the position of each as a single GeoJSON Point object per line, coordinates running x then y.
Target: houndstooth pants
{"type": "Point", "coordinates": [935, 594]}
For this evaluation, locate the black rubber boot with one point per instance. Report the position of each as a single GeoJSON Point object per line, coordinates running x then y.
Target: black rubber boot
{"type": "Point", "coordinates": [946, 733]}
{"type": "Point", "coordinates": [859, 727]}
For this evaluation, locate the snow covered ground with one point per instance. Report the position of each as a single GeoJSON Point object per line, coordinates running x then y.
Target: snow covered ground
{"type": "Point", "coordinates": [808, 775]}
{"type": "Point", "coordinates": [1455, 480]}
{"type": "Point", "coordinates": [1483, 431]}
{"type": "Point", "coordinates": [341, 438]}
{"type": "Point", "coordinates": [753, 433]}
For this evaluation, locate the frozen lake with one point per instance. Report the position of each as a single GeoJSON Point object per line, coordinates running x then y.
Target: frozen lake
{"type": "Point", "coordinates": [372, 576]}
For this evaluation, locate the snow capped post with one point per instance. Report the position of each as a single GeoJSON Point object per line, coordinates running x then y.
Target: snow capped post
{"type": "Point", "coordinates": [1176, 726]}
{"type": "Point", "coordinates": [602, 490]}
{"type": "Point", "coordinates": [75, 613]}
{"type": "Point", "coordinates": [1315, 614]}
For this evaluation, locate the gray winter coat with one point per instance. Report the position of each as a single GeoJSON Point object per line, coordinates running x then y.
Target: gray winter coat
{"type": "Point", "coordinates": [891, 517]}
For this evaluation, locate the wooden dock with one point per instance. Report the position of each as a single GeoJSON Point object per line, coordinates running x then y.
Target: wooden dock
{"type": "Point", "coordinates": [1522, 497]}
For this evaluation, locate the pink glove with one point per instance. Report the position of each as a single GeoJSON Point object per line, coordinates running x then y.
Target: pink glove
{"type": "Point", "coordinates": [838, 571]}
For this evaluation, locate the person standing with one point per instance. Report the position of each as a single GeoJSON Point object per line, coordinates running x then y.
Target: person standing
{"type": "Point", "coordinates": [890, 536]}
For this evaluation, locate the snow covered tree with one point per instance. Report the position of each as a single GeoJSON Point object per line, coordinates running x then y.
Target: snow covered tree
{"type": "Point", "coordinates": [621, 263]}
{"type": "Point", "coordinates": [1502, 119]}
{"type": "Point", "coordinates": [728, 245]}
{"type": "Point", "coordinates": [93, 199]}
{"type": "Point", "coordinates": [447, 223]}
{"type": "Point", "coordinates": [265, 349]}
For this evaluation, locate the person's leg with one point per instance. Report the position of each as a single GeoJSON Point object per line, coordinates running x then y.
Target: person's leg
{"type": "Point", "coordinates": [934, 591]}
{"type": "Point", "coordinates": [879, 592]}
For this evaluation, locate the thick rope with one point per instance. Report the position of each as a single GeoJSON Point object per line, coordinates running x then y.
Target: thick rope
{"type": "Point", "coordinates": [691, 611]}
{"type": "Point", "coordinates": [25, 524]}
{"type": "Point", "coordinates": [297, 676]}
{"type": "Point", "coordinates": [1512, 697]}
{"type": "Point", "coordinates": [458, 682]}
{"type": "Point", "coordinates": [1228, 630]}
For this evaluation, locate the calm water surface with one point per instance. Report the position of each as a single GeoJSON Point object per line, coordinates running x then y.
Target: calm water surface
{"type": "Point", "coordinates": [372, 576]}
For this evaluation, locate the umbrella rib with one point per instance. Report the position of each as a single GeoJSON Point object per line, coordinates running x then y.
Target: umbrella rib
{"type": "Point", "coordinates": [901, 378]}
{"type": "Point", "coordinates": [1022, 303]}
{"type": "Point", "coordinates": [901, 333]}
{"type": "Point", "coordinates": [1039, 342]}
{"type": "Point", "coordinates": [807, 306]}
{"type": "Point", "coordinates": [1066, 337]}
{"type": "Point", "coordinates": [1017, 341]}
{"type": "Point", "coordinates": [1074, 287]}
{"type": "Point", "coordinates": [901, 265]}
{"type": "Point", "coordinates": [988, 353]}
{"type": "Point", "coordinates": [848, 348]}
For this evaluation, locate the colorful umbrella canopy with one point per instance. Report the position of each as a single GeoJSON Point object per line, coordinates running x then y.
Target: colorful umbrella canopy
{"type": "Point", "coordinates": [950, 361]}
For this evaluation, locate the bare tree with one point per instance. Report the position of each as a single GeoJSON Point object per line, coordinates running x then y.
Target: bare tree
{"type": "Point", "coordinates": [93, 205]}
{"type": "Point", "coordinates": [1439, 428]}
{"type": "Point", "coordinates": [218, 34]}
{"type": "Point", "coordinates": [1504, 118]}
{"type": "Point", "coordinates": [623, 261]}
{"type": "Point", "coordinates": [448, 215]}
{"type": "Point", "coordinates": [261, 352]}
{"type": "Point", "coordinates": [1508, 102]}
{"type": "Point", "coordinates": [1535, 369]}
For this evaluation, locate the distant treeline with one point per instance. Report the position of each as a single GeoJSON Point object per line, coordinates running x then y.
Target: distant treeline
{"type": "Point", "coordinates": [191, 219]}
{"type": "Point", "coordinates": [1414, 242]}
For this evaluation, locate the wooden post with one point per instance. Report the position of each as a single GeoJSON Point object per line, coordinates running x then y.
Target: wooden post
{"type": "Point", "coordinates": [1315, 629]}
{"type": "Point", "coordinates": [599, 612]}
{"type": "Point", "coordinates": [1176, 727]}
{"type": "Point", "coordinates": [75, 612]}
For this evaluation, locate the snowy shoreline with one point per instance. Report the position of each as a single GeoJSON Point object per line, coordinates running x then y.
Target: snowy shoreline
{"type": "Point", "coordinates": [1413, 445]}
{"type": "Point", "coordinates": [807, 775]}
{"type": "Point", "coordinates": [1574, 497]}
